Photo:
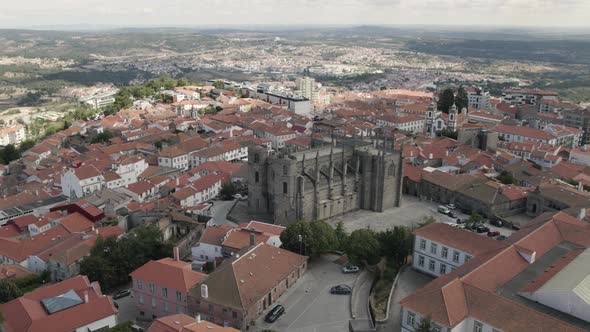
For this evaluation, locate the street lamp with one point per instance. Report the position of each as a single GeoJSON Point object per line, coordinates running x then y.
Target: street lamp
{"type": "Point", "coordinates": [300, 238]}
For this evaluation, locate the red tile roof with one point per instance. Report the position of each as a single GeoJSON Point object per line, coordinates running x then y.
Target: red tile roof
{"type": "Point", "coordinates": [461, 239]}
{"type": "Point", "coordinates": [185, 323]}
{"type": "Point", "coordinates": [214, 235]}
{"type": "Point", "coordinates": [28, 314]}
{"type": "Point", "coordinates": [169, 273]}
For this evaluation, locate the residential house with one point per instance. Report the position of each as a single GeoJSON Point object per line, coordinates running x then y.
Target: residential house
{"type": "Point", "coordinates": [185, 323]}
{"type": "Point", "coordinates": [161, 288]}
{"type": "Point", "coordinates": [241, 288]}
{"type": "Point", "coordinates": [75, 304]}
{"type": "Point", "coordinates": [82, 181]}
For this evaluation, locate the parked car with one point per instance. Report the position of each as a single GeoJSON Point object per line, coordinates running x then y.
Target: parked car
{"type": "Point", "coordinates": [459, 221]}
{"type": "Point", "coordinates": [452, 214]}
{"type": "Point", "coordinates": [136, 328]}
{"type": "Point", "coordinates": [443, 209]}
{"type": "Point", "coordinates": [501, 238]}
{"type": "Point", "coordinates": [239, 197]}
{"type": "Point", "coordinates": [121, 294]}
{"type": "Point", "coordinates": [341, 289]}
{"type": "Point", "coordinates": [451, 206]}
{"type": "Point", "coordinates": [496, 222]}
{"type": "Point", "coordinates": [482, 229]}
{"type": "Point", "coordinates": [350, 269]}
{"type": "Point", "coordinates": [493, 233]}
{"type": "Point", "coordinates": [274, 314]}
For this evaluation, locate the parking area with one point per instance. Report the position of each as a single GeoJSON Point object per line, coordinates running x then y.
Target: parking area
{"type": "Point", "coordinates": [309, 306]}
{"type": "Point", "coordinates": [411, 213]}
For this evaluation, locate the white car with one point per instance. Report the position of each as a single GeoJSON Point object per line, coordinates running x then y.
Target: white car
{"type": "Point", "coordinates": [239, 197]}
{"type": "Point", "coordinates": [350, 269]}
{"type": "Point", "coordinates": [451, 206]}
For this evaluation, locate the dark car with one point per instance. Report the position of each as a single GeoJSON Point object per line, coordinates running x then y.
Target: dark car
{"type": "Point", "coordinates": [501, 238]}
{"type": "Point", "coordinates": [274, 314]}
{"type": "Point", "coordinates": [493, 233]}
{"type": "Point", "coordinates": [482, 229]}
{"type": "Point", "coordinates": [121, 294]}
{"type": "Point", "coordinates": [497, 223]}
{"type": "Point", "coordinates": [452, 214]}
{"type": "Point", "coordinates": [459, 221]}
{"type": "Point", "coordinates": [341, 289]}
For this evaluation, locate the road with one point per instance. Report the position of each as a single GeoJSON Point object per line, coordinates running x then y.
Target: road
{"type": "Point", "coordinates": [219, 212]}
{"type": "Point", "coordinates": [309, 305]}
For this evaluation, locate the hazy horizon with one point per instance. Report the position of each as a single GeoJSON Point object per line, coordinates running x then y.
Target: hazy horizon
{"type": "Point", "coordinates": [218, 13]}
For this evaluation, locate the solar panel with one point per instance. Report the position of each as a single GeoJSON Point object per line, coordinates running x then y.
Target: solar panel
{"type": "Point", "coordinates": [61, 302]}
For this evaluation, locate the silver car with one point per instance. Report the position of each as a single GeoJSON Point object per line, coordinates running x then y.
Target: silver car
{"type": "Point", "coordinates": [350, 269]}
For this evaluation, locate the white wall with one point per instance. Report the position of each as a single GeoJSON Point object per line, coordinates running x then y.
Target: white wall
{"type": "Point", "coordinates": [437, 257]}
{"type": "Point", "coordinates": [565, 301]}
{"type": "Point", "coordinates": [109, 321]}
{"type": "Point", "coordinates": [208, 252]}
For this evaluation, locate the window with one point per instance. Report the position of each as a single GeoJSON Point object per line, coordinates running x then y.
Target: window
{"type": "Point", "coordinates": [165, 306]}
{"type": "Point", "coordinates": [256, 158]}
{"type": "Point", "coordinates": [178, 296]}
{"type": "Point", "coordinates": [433, 248]}
{"type": "Point", "coordinates": [284, 187]}
{"type": "Point", "coordinates": [467, 258]}
{"type": "Point", "coordinates": [477, 327]}
{"type": "Point", "coordinates": [256, 177]}
{"type": "Point", "coordinates": [140, 298]}
{"type": "Point", "coordinates": [165, 292]}
{"type": "Point", "coordinates": [445, 252]}
{"type": "Point", "coordinates": [210, 308]}
{"type": "Point", "coordinates": [431, 265]}
{"type": "Point", "coordinates": [456, 256]}
{"type": "Point", "coordinates": [421, 261]}
{"type": "Point", "coordinates": [411, 318]}
{"type": "Point", "coordinates": [423, 244]}
{"type": "Point", "coordinates": [152, 288]}
{"type": "Point", "coordinates": [443, 269]}
{"type": "Point", "coordinates": [153, 302]}
{"type": "Point", "coordinates": [139, 283]}
{"type": "Point", "coordinates": [234, 314]}
{"type": "Point", "coordinates": [285, 171]}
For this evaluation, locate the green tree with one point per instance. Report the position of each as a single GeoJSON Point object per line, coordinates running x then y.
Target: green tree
{"type": "Point", "coordinates": [9, 291]}
{"type": "Point", "coordinates": [297, 238]}
{"type": "Point", "coordinates": [228, 190]}
{"type": "Point", "coordinates": [425, 325]}
{"type": "Point", "coordinates": [446, 100]}
{"type": "Point", "coordinates": [396, 244]}
{"type": "Point", "coordinates": [103, 137]}
{"type": "Point", "coordinates": [323, 237]}
{"type": "Point", "coordinates": [341, 236]}
{"type": "Point", "coordinates": [461, 101]}
{"type": "Point", "coordinates": [363, 246]}
{"type": "Point", "coordinates": [505, 178]}
{"type": "Point", "coordinates": [449, 133]}
{"type": "Point", "coordinates": [25, 145]}
{"type": "Point", "coordinates": [473, 219]}
{"type": "Point", "coordinates": [9, 153]}
{"type": "Point", "coordinates": [122, 327]}
{"type": "Point", "coordinates": [218, 84]}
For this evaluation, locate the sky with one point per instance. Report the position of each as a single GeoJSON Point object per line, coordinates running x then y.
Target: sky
{"type": "Point", "coordinates": [129, 13]}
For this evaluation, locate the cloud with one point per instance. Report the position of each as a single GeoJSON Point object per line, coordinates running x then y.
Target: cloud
{"type": "Point", "coordinates": [219, 12]}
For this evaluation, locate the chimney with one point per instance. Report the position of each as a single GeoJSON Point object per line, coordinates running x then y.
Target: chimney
{"type": "Point", "coordinates": [176, 254]}
{"type": "Point", "coordinates": [582, 214]}
{"type": "Point", "coordinates": [252, 240]}
{"type": "Point", "coordinates": [85, 296]}
{"type": "Point", "coordinates": [198, 318]}
{"type": "Point", "coordinates": [204, 291]}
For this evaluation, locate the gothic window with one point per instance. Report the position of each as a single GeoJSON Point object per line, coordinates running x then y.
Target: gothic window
{"type": "Point", "coordinates": [284, 169]}
{"type": "Point", "coordinates": [256, 177]}
{"type": "Point", "coordinates": [256, 158]}
{"type": "Point", "coordinates": [284, 187]}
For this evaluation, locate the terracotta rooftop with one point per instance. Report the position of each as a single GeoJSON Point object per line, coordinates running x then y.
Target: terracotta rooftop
{"type": "Point", "coordinates": [185, 323]}
{"type": "Point", "coordinates": [169, 273]}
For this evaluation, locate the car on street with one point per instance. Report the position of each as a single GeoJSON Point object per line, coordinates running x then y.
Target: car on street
{"type": "Point", "coordinates": [493, 233]}
{"type": "Point", "coordinates": [274, 314]}
{"type": "Point", "coordinates": [501, 238]}
{"type": "Point", "coordinates": [459, 221]}
{"type": "Point", "coordinates": [121, 294]}
{"type": "Point", "coordinates": [350, 269]}
{"type": "Point", "coordinates": [451, 206]}
{"type": "Point", "coordinates": [239, 197]}
{"type": "Point", "coordinates": [482, 229]}
{"type": "Point", "coordinates": [341, 289]}
{"type": "Point", "coordinates": [443, 209]}
{"type": "Point", "coordinates": [452, 214]}
{"type": "Point", "coordinates": [496, 222]}
{"type": "Point", "coordinates": [136, 328]}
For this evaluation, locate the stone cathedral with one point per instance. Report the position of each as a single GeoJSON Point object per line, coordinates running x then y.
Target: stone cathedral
{"type": "Point", "coordinates": [338, 177]}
